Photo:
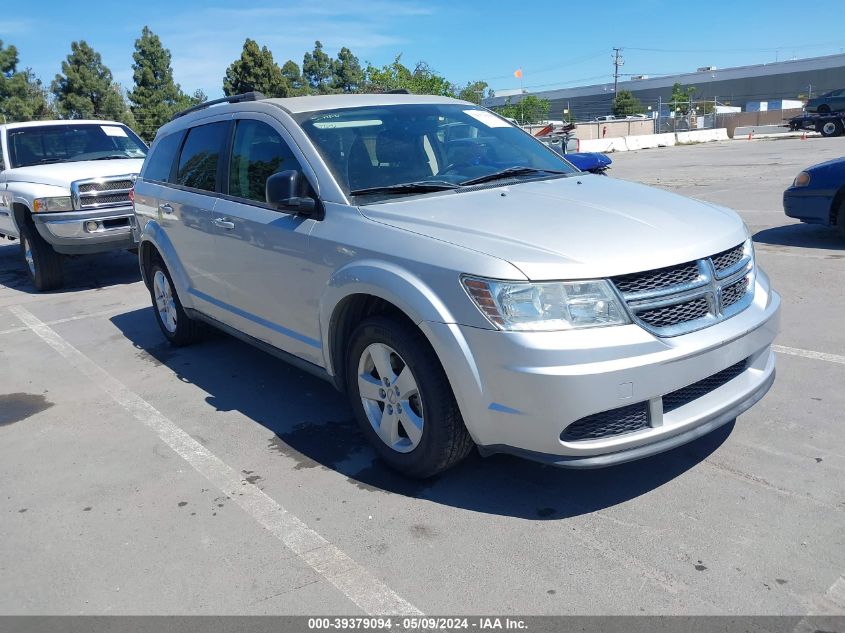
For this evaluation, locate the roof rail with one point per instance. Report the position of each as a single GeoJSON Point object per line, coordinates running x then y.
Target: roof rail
{"type": "Point", "coordinates": [247, 96]}
{"type": "Point", "coordinates": [398, 91]}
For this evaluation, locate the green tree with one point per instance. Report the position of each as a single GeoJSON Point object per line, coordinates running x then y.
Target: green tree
{"type": "Point", "coordinates": [425, 81]}
{"type": "Point", "coordinates": [626, 104]}
{"type": "Point", "coordinates": [85, 88]}
{"type": "Point", "coordinates": [681, 99]}
{"type": "Point", "coordinates": [155, 97]}
{"type": "Point", "coordinates": [22, 97]}
{"type": "Point", "coordinates": [397, 76]}
{"type": "Point", "coordinates": [293, 75]}
{"type": "Point", "coordinates": [255, 70]}
{"type": "Point", "coordinates": [319, 70]}
{"type": "Point", "coordinates": [529, 109]}
{"type": "Point", "coordinates": [348, 75]}
{"type": "Point", "coordinates": [474, 91]}
{"type": "Point", "coordinates": [394, 76]}
{"type": "Point", "coordinates": [186, 101]}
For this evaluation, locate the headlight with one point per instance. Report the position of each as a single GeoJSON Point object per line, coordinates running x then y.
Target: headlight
{"type": "Point", "coordinates": [564, 305]}
{"type": "Point", "coordinates": [802, 179]}
{"type": "Point", "coordinates": [44, 205]}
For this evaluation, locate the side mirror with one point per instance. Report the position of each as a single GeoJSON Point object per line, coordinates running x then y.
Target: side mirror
{"type": "Point", "coordinates": [283, 192]}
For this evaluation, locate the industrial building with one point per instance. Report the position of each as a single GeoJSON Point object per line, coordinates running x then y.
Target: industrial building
{"type": "Point", "coordinates": [733, 86]}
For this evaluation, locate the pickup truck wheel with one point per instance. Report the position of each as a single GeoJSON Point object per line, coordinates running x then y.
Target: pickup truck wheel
{"type": "Point", "coordinates": [402, 399]}
{"type": "Point", "coordinates": [175, 324]}
{"type": "Point", "coordinates": [43, 264]}
{"type": "Point", "coordinates": [831, 128]}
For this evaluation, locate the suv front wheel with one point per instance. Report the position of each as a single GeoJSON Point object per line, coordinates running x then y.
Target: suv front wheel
{"type": "Point", "coordinates": [402, 399]}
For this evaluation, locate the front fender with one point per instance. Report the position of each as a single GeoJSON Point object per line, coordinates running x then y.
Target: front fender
{"type": "Point", "coordinates": [25, 192]}
{"type": "Point", "coordinates": [385, 280]}
{"type": "Point", "coordinates": [153, 235]}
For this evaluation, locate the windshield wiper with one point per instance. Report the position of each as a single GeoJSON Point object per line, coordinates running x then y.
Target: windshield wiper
{"type": "Point", "coordinates": [507, 173]}
{"type": "Point", "coordinates": [45, 161]}
{"type": "Point", "coordinates": [422, 186]}
{"type": "Point", "coordinates": [110, 157]}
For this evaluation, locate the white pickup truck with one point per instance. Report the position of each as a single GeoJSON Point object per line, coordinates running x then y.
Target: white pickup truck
{"type": "Point", "coordinates": [65, 189]}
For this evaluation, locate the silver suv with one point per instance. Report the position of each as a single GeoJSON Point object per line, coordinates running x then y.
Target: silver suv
{"type": "Point", "coordinates": [464, 284]}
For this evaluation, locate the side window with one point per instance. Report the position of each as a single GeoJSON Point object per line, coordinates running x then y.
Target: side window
{"type": "Point", "coordinates": [257, 153]}
{"type": "Point", "coordinates": [161, 159]}
{"type": "Point", "coordinates": [200, 155]}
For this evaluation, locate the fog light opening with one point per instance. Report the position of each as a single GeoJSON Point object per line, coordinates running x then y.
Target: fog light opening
{"type": "Point", "coordinates": [92, 226]}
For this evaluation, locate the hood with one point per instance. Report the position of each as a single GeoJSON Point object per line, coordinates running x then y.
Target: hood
{"type": "Point", "coordinates": [62, 174]}
{"type": "Point", "coordinates": [570, 228]}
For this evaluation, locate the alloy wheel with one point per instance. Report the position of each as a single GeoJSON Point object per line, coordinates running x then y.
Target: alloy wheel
{"type": "Point", "coordinates": [27, 253]}
{"type": "Point", "coordinates": [165, 303]}
{"type": "Point", "coordinates": [391, 397]}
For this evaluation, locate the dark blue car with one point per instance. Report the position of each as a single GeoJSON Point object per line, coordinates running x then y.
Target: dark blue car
{"type": "Point", "coordinates": [817, 196]}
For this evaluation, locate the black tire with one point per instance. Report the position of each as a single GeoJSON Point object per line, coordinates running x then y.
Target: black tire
{"type": "Point", "coordinates": [823, 109]}
{"type": "Point", "coordinates": [44, 265]}
{"type": "Point", "coordinates": [829, 128]}
{"type": "Point", "coordinates": [186, 329]}
{"type": "Point", "coordinates": [444, 441]}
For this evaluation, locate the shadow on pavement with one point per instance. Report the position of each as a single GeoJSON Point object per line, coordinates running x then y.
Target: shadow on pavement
{"type": "Point", "coordinates": [313, 425]}
{"type": "Point", "coordinates": [802, 236]}
{"type": "Point", "coordinates": [84, 272]}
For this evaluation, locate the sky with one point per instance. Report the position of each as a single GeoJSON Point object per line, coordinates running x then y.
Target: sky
{"type": "Point", "coordinates": [464, 40]}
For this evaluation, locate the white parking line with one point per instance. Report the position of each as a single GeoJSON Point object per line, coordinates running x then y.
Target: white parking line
{"type": "Point", "coordinates": [356, 583]}
{"type": "Point", "coordinates": [78, 317]}
{"type": "Point", "coordinates": [808, 353]}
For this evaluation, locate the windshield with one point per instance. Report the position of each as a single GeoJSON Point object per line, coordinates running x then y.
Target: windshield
{"type": "Point", "coordinates": [380, 147]}
{"type": "Point", "coordinates": [69, 143]}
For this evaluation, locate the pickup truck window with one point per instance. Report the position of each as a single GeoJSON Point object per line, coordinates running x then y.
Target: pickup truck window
{"type": "Point", "coordinates": [258, 153]}
{"type": "Point", "coordinates": [43, 144]}
{"type": "Point", "coordinates": [200, 155]}
{"type": "Point", "coordinates": [160, 162]}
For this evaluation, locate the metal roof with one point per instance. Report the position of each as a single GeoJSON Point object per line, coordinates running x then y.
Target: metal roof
{"type": "Point", "coordinates": [691, 78]}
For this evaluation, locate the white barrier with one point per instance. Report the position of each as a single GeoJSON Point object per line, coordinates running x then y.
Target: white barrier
{"type": "Point", "coordinates": [702, 136]}
{"type": "Point", "coordinates": [604, 145]}
{"type": "Point", "coordinates": [650, 141]}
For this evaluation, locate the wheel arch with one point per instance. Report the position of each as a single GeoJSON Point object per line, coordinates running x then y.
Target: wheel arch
{"type": "Point", "coordinates": [838, 201]}
{"type": "Point", "coordinates": [154, 244]}
{"type": "Point", "coordinates": [367, 289]}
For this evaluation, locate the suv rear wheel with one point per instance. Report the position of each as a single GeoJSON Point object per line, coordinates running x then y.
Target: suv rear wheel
{"type": "Point", "coordinates": [175, 324]}
{"type": "Point", "coordinates": [43, 264]}
{"type": "Point", "coordinates": [402, 399]}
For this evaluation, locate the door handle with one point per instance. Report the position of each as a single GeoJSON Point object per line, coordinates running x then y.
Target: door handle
{"type": "Point", "coordinates": [165, 208]}
{"type": "Point", "coordinates": [223, 223]}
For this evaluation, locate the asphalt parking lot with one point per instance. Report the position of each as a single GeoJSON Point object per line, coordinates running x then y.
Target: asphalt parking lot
{"type": "Point", "coordinates": [142, 479]}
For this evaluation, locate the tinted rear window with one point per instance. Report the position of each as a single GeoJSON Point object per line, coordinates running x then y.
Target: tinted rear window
{"type": "Point", "coordinates": [160, 161]}
{"type": "Point", "coordinates": [200, 156]}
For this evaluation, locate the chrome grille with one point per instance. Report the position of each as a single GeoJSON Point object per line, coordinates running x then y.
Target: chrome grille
{"type": "Point", "coordinates": [106, 185]}
{"type": "Point", "coordinates": [728, 259]}
{"type": "Point", "coordinates": [685, 395]}
{"type": "Point", "coordinates": [674, 314]}
{"type": "Point", "coordinates": [102, 193]}
{"type": "Point", "coordinates": [734, 293]}
{"type": "Point", "coordinates": [656, 279]}
{"type": "Point", "coordinates": [608, 423]}
{"type": "Point", "coordinates": [687, 297]}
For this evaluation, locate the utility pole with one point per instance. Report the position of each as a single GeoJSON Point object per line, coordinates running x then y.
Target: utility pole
{"type": "Point", "coordinates": [618, 62]}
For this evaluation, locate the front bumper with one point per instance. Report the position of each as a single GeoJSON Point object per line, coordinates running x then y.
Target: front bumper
{"type": "Point", "coordinates": [808, 205]}
{"type": "Point", "coordinates": [68, 232]}
{"type": "Point", "coordinates": [518, 391]}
